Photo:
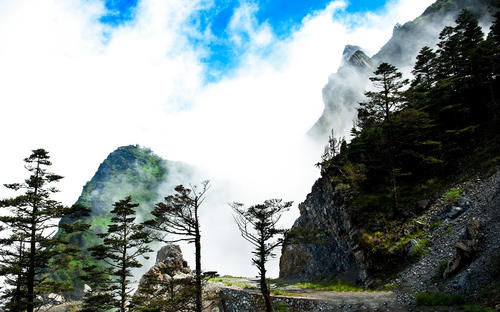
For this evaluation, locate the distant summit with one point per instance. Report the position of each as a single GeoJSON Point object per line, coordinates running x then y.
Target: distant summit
{"type": "Point", "coordinates": [346, 87]}
{"type": "Point", "coordinates": [128, 170]}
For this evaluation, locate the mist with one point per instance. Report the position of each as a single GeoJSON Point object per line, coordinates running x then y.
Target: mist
{"type": "Point", "coordinates": [80, 89]}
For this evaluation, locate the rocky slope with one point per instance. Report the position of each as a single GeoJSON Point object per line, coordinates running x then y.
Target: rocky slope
{"type": "Point", "coordinates": [346, 87]}
{"type": "Point", "coordinates": [481, 206]}
{"type": "Point", "coordinates": [445, 227]}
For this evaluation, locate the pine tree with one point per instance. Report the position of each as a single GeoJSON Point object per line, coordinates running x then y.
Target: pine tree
{"type": "Point", "coordinates": [124, 243]}
{"type": "Point", "coordinates": [424, 68]}
{"type": "Point", "coordinates": [28, 252]}
{"type": "Point", "coordinates": [258, 225]}
{"type": "Point", "coordinates": [179, 215]}
{"type": "Point", "coordinates": [99, 297]}
{"type": "Point", "coordinates": [382, 103]}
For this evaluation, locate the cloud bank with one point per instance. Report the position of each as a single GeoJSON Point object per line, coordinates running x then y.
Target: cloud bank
{"type": "Point", "coordinates": [80, 88]}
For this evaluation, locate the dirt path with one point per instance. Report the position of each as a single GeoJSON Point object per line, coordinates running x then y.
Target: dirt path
{"type": "Point", "coordinates": [373, 301]}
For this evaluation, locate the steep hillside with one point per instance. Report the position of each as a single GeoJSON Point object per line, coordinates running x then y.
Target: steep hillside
{"type": "Point", "coordinates": [345, 88]}
{"type": "Point", "coordinates": [129, 170]}
{"type": "Point", "coordinates": [423, 154]}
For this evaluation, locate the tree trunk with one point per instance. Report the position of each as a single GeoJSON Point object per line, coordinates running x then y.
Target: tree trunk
{"type": "Point", "coordinates": [31, 269]}
{"type": "Point", "coordinates": [197, 243]}
{"type": "Point", "coordinates": [263, 283]}
{"type": "Point", "coordinates": [124, 268]}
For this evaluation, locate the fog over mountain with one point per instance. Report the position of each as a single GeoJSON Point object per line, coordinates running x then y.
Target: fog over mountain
{"type": "Point", "coordinates": [81, 89]}
{"type": "Point", "coordinates": [345, 88]}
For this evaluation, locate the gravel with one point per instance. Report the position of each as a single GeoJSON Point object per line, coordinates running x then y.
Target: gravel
{"type": "Point", "coordinates": [482, 198]}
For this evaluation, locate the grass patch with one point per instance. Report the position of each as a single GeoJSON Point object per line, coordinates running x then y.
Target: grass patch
{"type": "Point", "coordinates": [476, 308]}
{"type": "Point", "coordinates": [332, 285]}
{"type": "Point", "coordinates": [436, 224]}
{"type": "Point", "coordinates": [236, 283]}
{"type": "Point", "coordinates": [453, 195]}
{"type": "Point", "coordinates": [419, 249]}
{"type": "Point", "coordinates": [278, 292]}
{"type": "Point", "coordinates": [439, 299]}
{"type": "Point", "coordinates": [442, 266]}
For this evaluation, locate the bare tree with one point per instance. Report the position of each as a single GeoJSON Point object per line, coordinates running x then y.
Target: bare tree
{"type": "Point", "coordinates": [178, 215]}
{"type": "Point", "coordinates": [258, 225]}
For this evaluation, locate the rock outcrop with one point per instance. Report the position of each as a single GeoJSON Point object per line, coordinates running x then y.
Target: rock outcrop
{"type": "Point", "coordinates": [344, 90]}
{"type": "Point", "coordinates": [169, 264]}
{"type": "Point", "coordinates": [465, 249]}
{"type": "Point", "coordinates": [336, 253]}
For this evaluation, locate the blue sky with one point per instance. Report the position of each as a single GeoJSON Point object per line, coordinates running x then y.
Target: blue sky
{"type": "Point", "coordinates": [222, 55]}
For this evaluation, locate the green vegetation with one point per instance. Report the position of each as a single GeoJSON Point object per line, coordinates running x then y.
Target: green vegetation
{"type": "Point", "coordinates": [129, 170]}
{"type": "Point", "coordinates": [278, 292]}
{"type": "Point", "coordinates": [233, 282]}
{"type": "Point", "coordinates": [439, 299]}
{"type": "Point", "coordinates": [436, 224]}
{"type": "Point", "coordinates": [442, 266]}
{"type": "Point", "coordinates": [442, 299]}
{"type": "Point", "coordinates": [29, 249]}
{"type": "Point", "coordinates": [331, 285]}
{"type": "Point", "coordinates": [419, 249]}
{"type": "Point", "coordinates": [408, 145]}
{"type": "Point", "coordinates": [453, 195]}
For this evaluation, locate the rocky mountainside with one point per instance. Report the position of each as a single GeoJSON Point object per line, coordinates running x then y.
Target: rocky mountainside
{"type": "Point", "coordinates": [346, 87]}
{"type": "Point", "coordinates": [129, 170]}
{"type": "Point", "coordinates": [340, 253]}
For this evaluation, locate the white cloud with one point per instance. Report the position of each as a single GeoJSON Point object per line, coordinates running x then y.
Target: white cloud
{"type": "Point", "coordinates": [68, 88]}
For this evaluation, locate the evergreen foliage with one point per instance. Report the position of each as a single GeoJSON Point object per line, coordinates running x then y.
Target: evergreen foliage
{"type": "Point", "coordinates": [407, 144]}
{"type": "Point", "coordinates": [258, 225]}
{"type": "Point", "coordinates": [158, 293]}
{"type": "Point", "coordinates": [28, 251]}
{"type": "Point", "coordinates": [123, 244]}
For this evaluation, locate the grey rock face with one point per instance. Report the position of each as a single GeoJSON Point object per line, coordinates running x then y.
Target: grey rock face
{"type": "Point", "coordinates": [171, 255]}
{"type": "Point", "coordinates": [335, 252]}
{"type": "Point", "coordinates": [342, 93]}
{"type": "Point", "coordinates": [169, 264]}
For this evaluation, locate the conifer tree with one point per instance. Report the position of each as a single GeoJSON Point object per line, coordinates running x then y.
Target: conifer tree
{"type": "Point", "coordinates": [30, 248]}
{"type": "Point", "coordinates": [424, 68]}
{"type": "Point", "coordinates": [123, 244]}
{"type": "Point", "coordinates": [178, 215]}
{"type": "Point", "coordinates": [382, 103]}
{"type": "Point", "coordinates": [258, 225]}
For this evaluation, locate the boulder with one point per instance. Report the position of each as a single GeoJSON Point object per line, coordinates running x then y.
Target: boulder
{"type": "Point", "coordinates": [465, 250]}
{"type": "Point", "coordinates": [171, 256]}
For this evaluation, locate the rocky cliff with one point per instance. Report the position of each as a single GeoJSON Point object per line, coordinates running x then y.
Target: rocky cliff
{"type": "Point", "coordinates": [336, 253]}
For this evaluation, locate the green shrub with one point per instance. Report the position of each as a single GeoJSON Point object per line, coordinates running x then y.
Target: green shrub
{"type": "Point", "coordinates": [453, 195]}
{"type": "Point", "coordinates": [442, 266]}
{"type": "Point", "coordinates": [436, 224]}
{"type": "Point", "coordinates": [476, 308]}
{"type": "Point", "coordinates": [419, 249]}
{"type": "Point", "coordinates": [439, 299]}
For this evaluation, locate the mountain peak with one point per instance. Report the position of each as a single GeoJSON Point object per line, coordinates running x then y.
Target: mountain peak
{"type": "Point", "coordinates": [349, 51]}
{"type": "Point", "coordinates": [360, 59]}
